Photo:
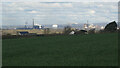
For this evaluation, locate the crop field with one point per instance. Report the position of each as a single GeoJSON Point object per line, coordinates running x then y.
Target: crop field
{"type": "Point", "coordinates": [71, 50]}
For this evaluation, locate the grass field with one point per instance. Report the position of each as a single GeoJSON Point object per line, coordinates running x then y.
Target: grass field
{"type": "Point", "coordinates": [74, 50]}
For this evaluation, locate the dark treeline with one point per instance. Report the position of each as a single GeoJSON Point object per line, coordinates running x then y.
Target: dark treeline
{"type": "Point", "coordinates": [28, 36]}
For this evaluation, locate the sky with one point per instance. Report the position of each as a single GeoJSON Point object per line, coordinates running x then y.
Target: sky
{"type": "Point", "coordinates": [60, 0]}
{"type": "Point", "coordinates": [17, 13]}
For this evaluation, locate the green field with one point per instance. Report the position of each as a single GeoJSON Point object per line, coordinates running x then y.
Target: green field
{"type": "Point", "coordinates": [74, 50]}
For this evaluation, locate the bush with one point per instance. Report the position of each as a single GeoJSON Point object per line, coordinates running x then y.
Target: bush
{"type": "Point", "coordinates": [111, 27]}
{"type": "Point", "coordinates": [67, 30]}
{"type": "Point", "coordinates": [46, 31]}
{"type": "Point", "coordinates": [8, 34]}
{"type": "Point", "coordinates": [80, 32]}
{"type": "Point", "coordinates": [91, 31]}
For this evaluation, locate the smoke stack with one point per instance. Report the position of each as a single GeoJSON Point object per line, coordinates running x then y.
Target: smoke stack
{"type": "Point", "coordinates": [26, 24]}
{"type": "Point", "coordinates": [33, 23]}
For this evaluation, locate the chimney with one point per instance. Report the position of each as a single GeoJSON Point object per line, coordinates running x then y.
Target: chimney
{"type": "Point", "coordinates": [33, 23]}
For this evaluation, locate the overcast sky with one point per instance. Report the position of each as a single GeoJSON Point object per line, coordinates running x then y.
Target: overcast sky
{"type": "Point", "coordinates": [17, 13]}
{"type": "Point", "coordinates": [60, 0]}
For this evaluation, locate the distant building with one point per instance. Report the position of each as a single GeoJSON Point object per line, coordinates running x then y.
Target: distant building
{"type": "Point", "coordinates": [37, 26]}
{"type": "Point", "coordinates": [102, 27]}
{"type": "Point", "coordinates": [25, 33]}
{"type": "Point", "coordinates": [34, 26]}
{"type": "Point", "coordinates": [71, 33]}
{"type": "Point", "coordinates": [86, 26]}
{"type": "Point", "coordinates": [22, 32]}
{"type": "Point", "coordinates": [24, 28]}
{"type": "Point", "coordinates": [55, 26]}
{"type": "Point", "coordinates": [91, 26]}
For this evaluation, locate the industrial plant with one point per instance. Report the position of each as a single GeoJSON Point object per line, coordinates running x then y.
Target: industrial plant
{"type": "Point", "coordinates": [34, 26]}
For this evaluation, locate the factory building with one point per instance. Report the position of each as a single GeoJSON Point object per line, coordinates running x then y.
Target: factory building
{"type": "Point", "coordinates": [55, 26]}
{"type": "Point", "coordinates": [34, 26]}
{"type": "Point", "coordinates": [37, 26]}
{"type": "Point", "coordinates": [22, 32]}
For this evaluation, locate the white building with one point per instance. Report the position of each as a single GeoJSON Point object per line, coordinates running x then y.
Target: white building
{"type": "Point", "coordinates": [55, 26]}
{"type": "Point", "coordinates": [71, 33]}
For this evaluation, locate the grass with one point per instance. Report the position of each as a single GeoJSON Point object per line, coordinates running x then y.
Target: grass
{"type": "Point", "coordinates": [74, 50]}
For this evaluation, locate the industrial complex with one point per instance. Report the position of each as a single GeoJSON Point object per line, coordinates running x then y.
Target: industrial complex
{"type": "Point", "coordinates": [34, 26]}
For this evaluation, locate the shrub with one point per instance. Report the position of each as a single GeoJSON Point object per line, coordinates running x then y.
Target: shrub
{"type": "Point", "coordinates": [46, 31]}
{"type": "Point", "coordinates": [67, 30]}
{"type": "Point", "coordinates": [80, 32]}
{"type": "Point", "coordinates": [111, 27]}
{"type": "Point", "coordinates": [91, 31]}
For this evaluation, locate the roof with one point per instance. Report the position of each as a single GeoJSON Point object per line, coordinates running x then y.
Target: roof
{"type": "Point", "coordinates": [25, 32]}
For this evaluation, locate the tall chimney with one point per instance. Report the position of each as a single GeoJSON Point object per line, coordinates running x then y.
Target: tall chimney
{"type": "Point", "coordinates": [33, 23]}
{"type": "Point", "coordinates": [26, 24]}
